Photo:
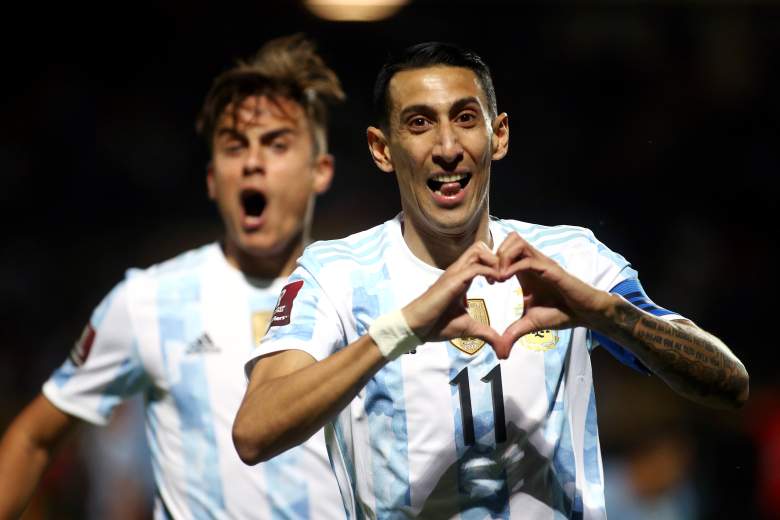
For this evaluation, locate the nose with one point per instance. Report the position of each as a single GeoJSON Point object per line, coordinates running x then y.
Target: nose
{"type": "Point", "coordinates": [448, 151]}
{"type": "Point", "coordinates": [255, 162]}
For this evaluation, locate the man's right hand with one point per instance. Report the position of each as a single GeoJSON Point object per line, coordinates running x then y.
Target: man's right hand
{"type": "Point", "coordinates": [441, 312]}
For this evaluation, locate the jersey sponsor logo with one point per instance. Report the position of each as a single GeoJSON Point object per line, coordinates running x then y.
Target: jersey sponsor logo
{"type": "Point", "coordinates": [478, 312]}
{"type": "Point", "coordinates": [82, 347]}
{"type": "Point", "coordinates": [203, 345]}
{"type": "Point", "coordinates": [284, 305]}
{"type": "Point", "coordinates": [541, 340]}
{"type": "Point", "coordinates": [260, 322]}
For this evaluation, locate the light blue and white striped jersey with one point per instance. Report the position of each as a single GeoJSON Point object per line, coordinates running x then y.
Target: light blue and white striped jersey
{"type": "Point", "coordinates": [179, 333]}
{"type": "Point", "coordinates": [449, 431]}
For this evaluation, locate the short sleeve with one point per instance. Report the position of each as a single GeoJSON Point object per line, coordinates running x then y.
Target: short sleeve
{"type": "Point", "coordinates": [609, 271]}
{"type": "Point", "coordinates": [305, 318]}
{"type": "Point", "coordinates": [602, 267]}
{"type": "Point", "coordinates": [104, 366]}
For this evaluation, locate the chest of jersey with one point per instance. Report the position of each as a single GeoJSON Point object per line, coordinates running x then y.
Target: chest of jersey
{"type": "Point", "coordinates": [195, 334]}
{"type": "Point", "coordinates": [461, 421]}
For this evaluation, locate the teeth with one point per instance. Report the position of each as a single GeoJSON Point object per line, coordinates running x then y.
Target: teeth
{"type": "Point", "coordinates": [449, 178]}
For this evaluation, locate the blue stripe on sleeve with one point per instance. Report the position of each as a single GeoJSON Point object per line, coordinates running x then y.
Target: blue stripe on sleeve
{"type": "Point", "coordinates": [631, 290]}
{"type": "Point", "coordinates": [622, 355]}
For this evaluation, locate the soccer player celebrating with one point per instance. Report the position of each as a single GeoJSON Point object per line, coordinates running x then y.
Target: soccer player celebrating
{"type": "Point", "coordinates": [386, 335]}
{"type": "Point", "coordinates": [179, 332]}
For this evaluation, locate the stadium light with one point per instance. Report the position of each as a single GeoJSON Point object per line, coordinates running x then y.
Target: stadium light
{"type": "Point", "coordinates": [354, 10]}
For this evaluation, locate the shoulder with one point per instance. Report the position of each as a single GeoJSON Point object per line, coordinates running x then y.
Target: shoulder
{"type": "Point", "coordinates": [180, 267]}
{"type": "Point", "coordinates": [362, 249]}
{"type": "Point", "coordinates": [576, 248]}
{"type": "Point", "coordinates": [546, 238]}
{"type": "Point", "coordinates": [184, 264]}
{"type": "Point", "coordinates": [179, 274]}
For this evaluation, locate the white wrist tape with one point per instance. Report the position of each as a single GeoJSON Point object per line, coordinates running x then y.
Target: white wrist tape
{"type": "Point", "coordinates": [392, 335]}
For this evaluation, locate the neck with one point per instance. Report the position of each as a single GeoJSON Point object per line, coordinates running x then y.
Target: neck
{"type": "Point", "coordinates": [441, 249]}
{"type": "Point", "coordinates": [266, 266]}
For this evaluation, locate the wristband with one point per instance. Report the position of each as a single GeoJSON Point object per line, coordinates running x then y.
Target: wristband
{"type": "Point", "coordinates": [392, 335]}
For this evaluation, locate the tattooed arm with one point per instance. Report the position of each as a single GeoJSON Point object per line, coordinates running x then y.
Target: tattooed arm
{"type": "Point", "coordinates": [690, 360]}
{"type": "Point", "coordinates": [693, 362]}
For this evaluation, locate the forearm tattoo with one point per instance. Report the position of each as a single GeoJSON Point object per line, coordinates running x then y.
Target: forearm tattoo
{"type": "Point", "coordinates": [690, 360]}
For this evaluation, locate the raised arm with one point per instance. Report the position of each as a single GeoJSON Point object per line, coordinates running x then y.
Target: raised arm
{"type": "Point", "coordinates": [290, 396]}
{"type": "Point", "coordinates": [693, 362]}
{"type": "Point", "coordinates": [26, 449]}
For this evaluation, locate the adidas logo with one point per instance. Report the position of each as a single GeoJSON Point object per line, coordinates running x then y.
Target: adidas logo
{"type": "Point", "coordinates": [203, 345]}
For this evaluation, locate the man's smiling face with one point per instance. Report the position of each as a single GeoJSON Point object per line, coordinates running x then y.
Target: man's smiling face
{"type": "Point", "coordinates": [441, 144]}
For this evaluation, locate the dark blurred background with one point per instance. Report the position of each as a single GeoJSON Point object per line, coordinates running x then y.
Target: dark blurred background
{"type": "Point", "coordinates": [653, 123]}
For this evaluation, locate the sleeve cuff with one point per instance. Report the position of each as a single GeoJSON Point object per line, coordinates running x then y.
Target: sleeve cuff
{"type": "Point", "coordinates": [53, 394]}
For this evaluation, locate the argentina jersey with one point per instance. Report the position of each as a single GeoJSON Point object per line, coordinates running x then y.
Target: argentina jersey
{"type": "Point", "coordinates": [448, 430]}
{"type": "Point", "coordinates": [178, 333]}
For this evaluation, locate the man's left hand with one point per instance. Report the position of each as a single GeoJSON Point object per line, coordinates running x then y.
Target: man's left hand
{"type": "Point", "coordinates": [552, 297]}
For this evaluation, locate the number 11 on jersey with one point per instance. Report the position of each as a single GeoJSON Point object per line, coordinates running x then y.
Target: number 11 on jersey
{"type": "Point", "coordinates": [464, 390]}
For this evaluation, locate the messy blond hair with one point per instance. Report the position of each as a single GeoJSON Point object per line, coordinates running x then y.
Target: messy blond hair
{"type": "Point", "coordinates": [287, 67]}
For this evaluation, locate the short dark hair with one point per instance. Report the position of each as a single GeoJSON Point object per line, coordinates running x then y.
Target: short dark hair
{"type": "Point", "coordinates": [287, 67]}
{"type": "Point", "coordinates": [429, 54]}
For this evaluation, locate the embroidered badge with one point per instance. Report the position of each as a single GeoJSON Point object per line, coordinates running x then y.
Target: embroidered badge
{"type": "Point", "coordinates": [540, 340]}
{"type": "Point", "coordinates": [478, 312]}
{"type": "Point", "coordinates": [517, 302]}
{"type": "Point", "coordinates": [260, 323]}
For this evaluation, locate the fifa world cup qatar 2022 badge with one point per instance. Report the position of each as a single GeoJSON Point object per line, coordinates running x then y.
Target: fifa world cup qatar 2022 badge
{"type": "Point", "coordinates": [284, 306]}
{"type": "Point", "coordinates": [80, 351]}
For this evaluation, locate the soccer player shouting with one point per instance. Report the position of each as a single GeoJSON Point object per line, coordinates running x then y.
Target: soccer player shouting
{"type": "Point", "coordinates": [449, 350]}
{"type": "Point", "coordinates": [179, 332]}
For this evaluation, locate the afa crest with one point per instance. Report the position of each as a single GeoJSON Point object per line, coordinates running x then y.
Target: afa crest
{"type": "Point", "coordinates": [541, 340]}
{"type": "Point", "coordinates": [478, 312]}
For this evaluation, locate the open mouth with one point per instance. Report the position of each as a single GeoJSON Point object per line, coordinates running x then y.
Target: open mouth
{"type": "Point", "coordinates": [449, 184]}
{"type": "Point", "coordinates": [253, 203]}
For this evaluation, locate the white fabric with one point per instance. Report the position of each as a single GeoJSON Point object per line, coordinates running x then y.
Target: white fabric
{"type": "Point", "coordinates": [179, 333]}
{"type": "Point", "coordinates": [401, 448]}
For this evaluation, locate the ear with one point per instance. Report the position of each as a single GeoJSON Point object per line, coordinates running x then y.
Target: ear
{"type": "Point", "coordinates": [500, 136]}
{"type": "Point", "coordinates": [379, 149]}
{"type": "Point", "coordinates": [211, 186]}
{"type": "Point", "coordinates": [323, 173]}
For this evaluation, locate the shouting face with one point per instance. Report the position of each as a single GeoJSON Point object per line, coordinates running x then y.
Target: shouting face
{"type": "Point", "coordinates": [264, 175]}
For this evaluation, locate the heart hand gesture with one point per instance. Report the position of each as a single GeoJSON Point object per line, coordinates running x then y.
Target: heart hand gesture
{"type": "Point", "coordinates": [440, 313]}
{"type": "Point", "coordinates": [552, 298]}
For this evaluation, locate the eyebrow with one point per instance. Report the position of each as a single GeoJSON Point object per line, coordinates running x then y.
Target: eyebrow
{"type": "Point", "coordinates": [227, 132]}
{"type": "Point", "coordinates": [463, 102]}
{"type": "Point", "coordinates": [421, 108]}
{"type": "Point", "coordinates": [279, 132]}
{"type": "Point", "coordinates": [232, 133]}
